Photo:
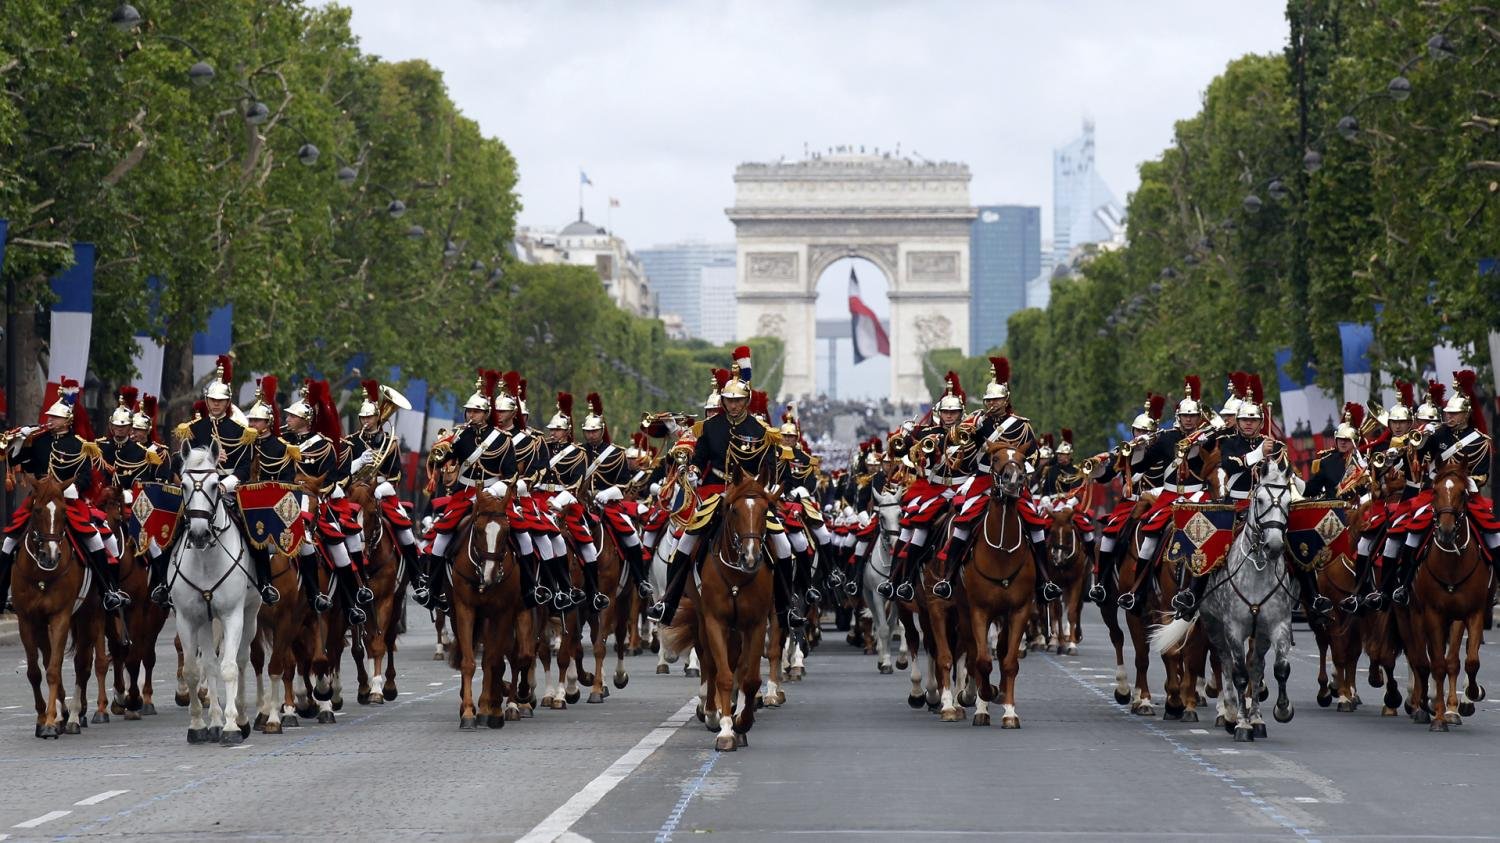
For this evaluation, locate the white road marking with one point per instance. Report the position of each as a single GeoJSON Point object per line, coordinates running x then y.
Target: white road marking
{"type": "Point", "coordinates": [561, 820]}
{"type": "Point", "coordinates": [44, 818]}
{"type": "Point", "coordinates": [434, 684]}
{"type": "Point", "coordinates": [1305, 798]}
{"type": "Point", "coordinates": [1198, 731]}
{"type": "Point", "coordinates": [100, 797]}
{"type": "Point", "coordinates": [113, 745]}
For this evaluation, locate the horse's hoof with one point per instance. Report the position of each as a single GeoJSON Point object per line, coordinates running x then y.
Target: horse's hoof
{"type": "Point", "coordinates": [1343, 706]}
{"type": "Point", "coordinates": [1387, 711]}
{"type": "Point", "coordinates": [181, 698]}
{"type": "Point", "coordinates": [362, 698]}
{"type": "Point", "coordinates": [1143, 708]}
{"type": "Point", "coordinates": [290, 721]}
{"type": "Point", "coordinates": [1010, 722]}
{"type": "Point", "coordinates": [1452, 718]}
{"type": "Point", "coordinates": [933, 708]}
{"type": "Point", "coordinates": [546, 702]}
{"type": "Point", "coordinates": [741, 739]}
{"type": "Point", "coordinates": [585, 678]}
{"type": "Point", "coordinates": [726, 743]}
{"type": "Point", "coordinates": [149, 709]}
{"type": "Point", "coordinates": [116, 708]}
{"type": "Point", "coordinates": [951, 715]}
{"type": "Point", "coordinates": [102, 716]}
{"type": "Point", "coordinates": [1190, 715]}
{"type": "Point", "coordinates": [1072, 650]}
{"type": "Point", "coordinates": [271, 728]}
{"type": "Point", "coordinates": [72, 728]}
{"type": "Point", "coordinates": [1221, 722]}
{"type": "Point", "coordinates": [1258, 729]}
{"type": "Point", "coordinates": [780, 698]}
{"type": "Point", "coordinates": [231, 737]}
{"type": "Point", "coordinates": [1325, 698]}
{"type": "Point", "coordinates": [376, 699]}
{"type": "Point", "coordinates": [47, 732]}
{"type": "Point", "coordinates": [437, 657]}
{"type": "Point", "coordinates": [663, 670]}
{"type": "Point", "coordinates": [1421, 717]}
{"type": "Point", "coordinates": [1168, 714]}
{"type": "Point", "coordinates": [692, 672]}
{"type": "Point", "coordinates": [132, 715]}
{"type": "Point", "coordinates": [885, 670]}
{"type": "Point", "coordinates": [338, 703]}
{"type": "Point", "coordinates": [902, 664]}
{"type": "Point", "coordinates": [595, 698]}
{"type": "Point", "coordinates": [1438, 725]}
{"type": "Point", "coordinates": [621, 680]}
{"type": "Point", "coordinates": [326, 717]}
{"type": "Point", "coordinates": [388, 693]}
{"type": "Point", "coordinates": [260, 721]}
{"type": "Point", "coordinates": [1465, 708]}
{"type": "Point", "coordinates": [1243, 735]}
{"type": "Point", "coordinates": [870, 651]}
{"type": "Point", "coordinates": [559, 704]}
{"type": "Point", "coordinates": [571, 698]}
{"type": "Point", "coordinates": [1284, 715]}
{"type": "Point", "coordinates": [468, 724]}
{"type": "Point", "coordinates": [513, 714]}
{"type": "Point", "coordinates": [1122, 698]}
{"type": "Point", "coordinates": [916, 701]}
{"type": "Point", "coordinates": [494, 721]}
{"type": "Point", "coordinates": [527, 710]}
{"type": "Point", "coordinates": [981, 719]}
{"type": "Point", "coordinates": [702, 718]}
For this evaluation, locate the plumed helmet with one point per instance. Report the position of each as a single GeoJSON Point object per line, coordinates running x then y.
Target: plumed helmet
{"type": "Point", "coordinates": [789, 426]}
{"type": "Point", "coordinates": [509, 396]}
{"type": "Point", "coordinates": [263, 408]}
{"type": "Point", "coordinates": [1066, 446]}
{"type": "Point", "coordinates": [1237, 386]}
{"type": "Point", "coordinates": [1354, 416]}
{"type": "Point", "coordinates": [304, 407]}
{"type": "Point", "coordinates": [738, 385]}
{"type": "Point", "coordinates": [1150, 416]}
{"type": "Point", "coordinates": [145, 417]}
{"type": "Point", "coordinates": [953, 394]}
{"type": "Point", "coordinates": [124, 406]}
{"type": "Point", "coordinates": [1192, 393]}
{"type": "Point", "coordinates": [64, 396]}
{"type": "Point", "coordinates": [563, 419]}
{"type": "Point", "coordinates": [218, 388]}
{"type": "Point", "coordinates": [720, 378]}
{"type": "Point", "coordinates": [371, 405]}
{"type": "Point", "coordinates": [484, 391]}
{"type": "Point", "coordinates": [1401, 410]}
{"type": "Point", "coordinates": [999, 385]}
{"type": "Point", "coordinates": [1251, 398]}
{"type": "Point", "coordinates": [1248, 410]}
{"type": "Point", "coordinates": [1428, 411]}
{"type": "Point", "coordinates": [595, 419]}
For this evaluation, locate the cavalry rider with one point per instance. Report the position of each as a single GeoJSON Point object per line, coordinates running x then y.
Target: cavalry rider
{"type": "Point", "coordinates": [726, 443]}
{"type": "Point", "coordinates": [312, 427]}
{"type": "Point", "coordinates": [1460, 438]}
{"type": "Point", "coordinates": [1141, 464]}
{"type": "Point", "coordinates": [554, 489]}
{"type": "Point", "coordinates": [274, 461]}
{"type": "Point", "coordinates": [128, 458]}
{"type": "Point", "coordinates": [996, 424]}
{"type": "Point", "coordinates": [604, 481]}
{"type": "Point", "coordinates": [377, 448]}
{"type": "Point", "coordinates": [63, 452]}
{"type": "Point", "coordinates": [1062, 481]}
{"type": "Point", "coordinates": [537, 537]}
{"type": "Point", "coordinates": [797, 475]}
{"type": "Point", "coordinates": [1334, 471]}
{"type": "Point", "coordinates": [1240, 453]}
{"type": "Point", "coordinates": [1405, 430]}
{"type": "Point", "coordinates": [1044, 456]}
{"type": "Point", "coordinates": [143, 432]}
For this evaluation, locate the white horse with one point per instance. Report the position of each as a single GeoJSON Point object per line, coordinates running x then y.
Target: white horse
{"type": "Point", "coordinates": [877, 570]}
{"type": "Point", "coordinates": [664, 550]}
{"type": "Point", "coordinates": [213, 589]}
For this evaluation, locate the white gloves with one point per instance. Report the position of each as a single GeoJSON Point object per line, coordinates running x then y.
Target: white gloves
{"type": "Point", "coordinates": [70, 492]}
{"type": "Point", "coordinates": [655, 489]}
{"type": "Point", "coordinates": [385, 490]}
{"type": "Point", "coordinates": [337, 494]}
{"type": "Point", "coordinates": [864, 520]}
{"type": "Point", "coordinates": [608, 495]}
{"type": "Point", "coordinates": [562, 500]}
{"type": "Point", "coordinates": [497, 489]}
{"type": "Point", "coordinates": [232, 482]}
{"type": "Point", "coordinates": [798, 493]}
{"type": "Point", "coordinates": [128, 496]}
{"type": "Point", "coordinates": [522, 490]}
{"type": "Point", "coordinates": [361, 461]}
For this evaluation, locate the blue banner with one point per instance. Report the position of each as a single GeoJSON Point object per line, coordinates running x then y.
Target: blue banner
{"type": "Point", "coordinates": [73, 316]}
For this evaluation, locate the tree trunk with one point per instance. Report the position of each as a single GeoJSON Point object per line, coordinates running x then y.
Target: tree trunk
{"type": "Point", "coordinates": [177, 383]}
{"type": "Point", "coordinates": [30, 376]}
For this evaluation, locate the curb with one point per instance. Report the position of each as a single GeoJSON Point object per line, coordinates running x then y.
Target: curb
{"type": "Point", "coordinates": [10, 631]}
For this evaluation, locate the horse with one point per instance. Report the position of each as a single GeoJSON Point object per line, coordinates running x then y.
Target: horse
{"type": "Point", "coordinates": [386, 575]}
{"type": "Point", "coordinates": [945, 636]}
{"type": "Point", "coordinates": [887, 504]}
{"type": "Point", "coordinates": [1450, 593]}
{"type": "Point", "coordinates": [1247, 607]}
{"type": "Point", "coordinates": [212, 583]}
{"type": "Point", "coordinates": [280, 631]}
{"type": "Point", "coordinates": [665, 549]}
{"type": "Point", "coordinates": [133, 653]}
{"type": "Point", "coordinates": [1065, 563]}
{"type": "Point", "coordinates": [1133, 575]}
{"type": "Point", "coordinates": [485, 593]}
{"type": "Point", "coordinates": [51, 590]}
{"type": "Point", "coordinates": [611, 581]}
{"type": "Point", "coordinates": [726, 612]}
{"type": "Point", "coordinates": [999, 586]}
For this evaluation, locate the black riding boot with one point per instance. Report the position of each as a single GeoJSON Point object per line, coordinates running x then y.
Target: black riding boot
{"type": "Point", "coordinates": [409, 558]}
{"type": "Point", "coordinates": [887, 589]}
{"type": "Point", "coordinates": [1189, 594]}
{"type": "Point", "coordinates": [802, 577]}
{"type": "Point", "coordinates": [307, 566]}
{"type": "Point", "coordinates": [953, 556]}
{"type": "Point", "coordinates": [268, 593]}
{"type": "Point", "coordinates": [533, 593]}
{"type": "Point", "coordinates": [1320, 605]}
{"type": "Point", "coordinates": [1354, 604]}
{"type": "Point", "coordinates": [348, 582]}
{"type": "Point", "coordinates": [856, 569]}
{"type": "Point", "coordinates": [906, 586]}
{"type": "Point", "coordinates": [6, 561]}
{"type": "Point", "coordinates": [1046, 590]}
{"type": "Point", "coordinates": [437, 583]}
{"type": "Point", "coordinates": [561, 581]}
{"type": "Point", "coordinates": [1097, 592]}
{"type": "Point", "coordinates": [591, 594]}
{"type": "Point", "coordinates": [1375, 601]}
{"type": "Point", "coordinates": [1401, 594]}
{"type": "Point", "coordinates": [109, 580]}
{"type": "Point", "coordinates": [636, 562]}
{"type": "Point", "coordinates": [678, 572]}
{"type": "Point", "coordinates": [362, 593]}
{"type": "Point", "coordinates": [784, 593]}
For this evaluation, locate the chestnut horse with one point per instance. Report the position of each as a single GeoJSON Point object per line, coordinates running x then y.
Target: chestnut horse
{"type": "Point", "coordinates": [485, 592]}
{"type": "Point", "coordinates": [726, 611]}
{"type": "Point", "coordinates": [134, 654]}
{"type": "Point", "coordinates": [998, 586]}
{"type": "Point", "coordinates": [280, 631]}
{"type": "Point", "coordinates": [53, 598]}
{"type": "Point", "coordinates": [1065, 558]}
{"type": "Point", "coordinates": [614, 619]}
{"type": "Point", "coordinates": [386, 575]}
{"type": "Point", "coordinates": [1450, 593]}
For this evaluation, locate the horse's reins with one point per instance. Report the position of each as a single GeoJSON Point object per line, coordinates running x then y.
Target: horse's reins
{"type": "Point", "coordinates": [1000, 502]}
{"type": "Point", "coordinates": [734, 540]}
{"type": "Point", "coordinates": [1460, 514]}
{"type": "Point", "coordinates": [215, 532]}
{"type": "Point", "coordinates": [1255, 537]}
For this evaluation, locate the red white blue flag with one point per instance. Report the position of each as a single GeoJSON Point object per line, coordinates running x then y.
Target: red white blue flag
{"type": "Point", "coordinates": [869, 337]}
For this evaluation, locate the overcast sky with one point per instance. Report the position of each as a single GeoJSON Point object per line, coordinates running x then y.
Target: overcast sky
{"type": "Point", "coordinates": [658, 101]}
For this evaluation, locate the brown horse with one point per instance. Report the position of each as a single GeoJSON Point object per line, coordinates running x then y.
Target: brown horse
{"type": "Point", "coordinates": [280, 629]}
{"type": "Point", "coordinates": [615, 619]}
{"type": "Point", "coordinates": [52, 593]}
{"type": "Point", "coordinates": [485, 592]}
{"type": "Point", "coordinates": [1140, 577]}
{"type": "Point", "coordinates": [1341, 638]}
{"type": "Point", "coordinates": [133, 654]}
{"type": "Point", "coordinates": [1065, 563]}
{"type": "Point", "coordinates": [1450, 590]}
{"type": "Point", "coordinates": [944, 626]}
{"type": "Point", "coordinates": [384, 573]}
{"type": "Point", "coordinates": [725, 613]}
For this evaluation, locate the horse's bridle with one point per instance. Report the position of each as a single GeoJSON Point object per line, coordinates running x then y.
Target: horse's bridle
{"type": "Point", "coordinates": [1008, 483]}
{"type": "Point", "coordinates": [1259, 527]}
{"type": "Point", "coordinates": [1458, 512]}
{"type": "Point", "coordinates": [497, 555]}
{"type": "Point", "coordinates": [34, 535]}
{"type": "Point", "coordinates": [736, 541]}
{"type": "Point", "coordinates": [197, 491]}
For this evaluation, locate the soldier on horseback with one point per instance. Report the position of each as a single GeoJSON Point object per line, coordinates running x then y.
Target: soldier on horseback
{"type": "Point", "coordinates": [376, 450]}
{"type": "Point", "coordinates": [143, 433]}
{"type": "Point", "coordinates": [797, 475]}
{"type": "Point", "coordinates": [63, 452]}
{"type": "Point", "coordinates": [128, 458]}
{"type": "Point", "coordinates": [604, 480]}
{"type": "Point", "coordinates": [726, 444]}
{"type": "Point", "coordinates": [1141, 463]}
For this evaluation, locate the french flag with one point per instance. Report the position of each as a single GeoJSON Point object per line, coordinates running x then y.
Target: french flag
{"type": "Point", "coordinates": [869, 337]}
{"type": "Point", "coordinates": [73, 315]}
{"type": "Point", "coordinates": [148, 356]}
{"type": "Point", "coordinates": [217, 338]}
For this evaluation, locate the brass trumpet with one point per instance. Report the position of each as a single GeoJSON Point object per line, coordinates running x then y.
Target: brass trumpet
{"type": "Point", "coordinates": [1379, 460]}
{"type": "Point", "coordinates": [929, 445]}
{"type": "Point", "coordinates": [964, 434]}
{"type": "Point", "coordinates": [1088, 466]}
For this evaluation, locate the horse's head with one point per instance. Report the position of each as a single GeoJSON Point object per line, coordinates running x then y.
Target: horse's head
{"type": "Point", "coordinates": [1269, 507]}
{"type": "Point", "coordinates": [1392, 484]}
{"type": "Point", "coordinates": [1062, 536]}
{"type": "Point", "coordinates": [490, 539]}
{"type": "Point", "coordinates": [361, 493]}
{"type": "Point", "coordinates": [1008, 465]}
{"type": "Point", "coordinates": [1450, 493]}
{"type": "Point", "coordinates": [746, 505]}
{"type": "Point", "coordinates": [201, 491]}
{"type": "Point", "coordinates": [47, 536]}
{"type": "Point", "coordinates": [888, 510]}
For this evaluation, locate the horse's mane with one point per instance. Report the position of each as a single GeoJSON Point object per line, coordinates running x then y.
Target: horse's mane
{"type": "Point", "coordinates": [748, 486]}
{"type": "Point", "coordinates": [487, 504]}
{"type": "Point", "coordinates": [1452, 469]}
{"type": "Point", "coordinates": [198, 459]}
{"type": "Point", "coordinates": [46, 488]}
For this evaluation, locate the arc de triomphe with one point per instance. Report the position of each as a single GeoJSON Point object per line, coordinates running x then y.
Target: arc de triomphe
{"type": "Point", "coordinates": [912, 220]}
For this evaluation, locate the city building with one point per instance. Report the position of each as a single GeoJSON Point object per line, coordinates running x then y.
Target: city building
{"type": "Point", "coordinates": [716, 281]}
{"type": "Point", "coordinates": [581, 243]}
{"type": "Point", "coordinates": [672, 324]}
{"type": "Point", "coordinates": [1005, 252]}
{"type": "Point", "coordinates": [1083, 208]}
{"type": "Point", "coordinates": [674, 273]}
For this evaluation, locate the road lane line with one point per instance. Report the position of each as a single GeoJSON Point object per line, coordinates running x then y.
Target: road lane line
{"type": "Point", "coordinates": [44, 818]}
{"type": "Point", "coordinates": [559, 821]}
{"type": "Point", "coordinates": [100, 797]}
{"type": "Point", "coordinates": [664, 834]}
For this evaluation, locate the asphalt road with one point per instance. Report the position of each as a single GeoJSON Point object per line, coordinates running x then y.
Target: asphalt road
{"type": "Point", "coordinates": [845, 756]}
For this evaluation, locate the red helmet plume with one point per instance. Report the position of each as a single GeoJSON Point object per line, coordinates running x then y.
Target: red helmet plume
{"type": "Point", "coordinates": [565, 403]}
{"type": "Point", "coordinates": [1436, 393]}
{"type": "Point", "coordinates": [1356, 414]}
{"type": "Point", "coordinates": [1001, 368]}
{"type": "Point", "coordinates": [596, 404]}
{"type": "Point", "coordinates": [226, 363]}
{"type": "Point", "coordinates": [760, 403]}
{"type": "Point", "coordinates": [1155, 405]}
{"type": "Point", "coordinates": [1048, 440]}
{"type": "Point", "coordinates": [1192, 387]}
{"type": "Point", "coordinates": [488, 380]}
{"type": "Point", "coordinates": [148, 408]}
{"type": "Point", "coordinates": [268, 384]}
{"type": "Point", "coordinates": [1067, 435]}
{"type": "Point", "coordinates": [1464, 381]}
{"type": "Point", "coordinates": [721, 377]}
{"type": "Point", "coordinates": [372, 390]}
{"type": "Point", "coordinates": [325, 415]}
{"type": "Point", "coordinates": [128, 396]}
{"type": "Point", "coordinates": [1257, 391]}
{"type": "Point", "coordinates": [512, 381]}
{"type": "Point", "coordinates": [1406, 393]}
{"type": "Point", "coordinates": [1240, 382]}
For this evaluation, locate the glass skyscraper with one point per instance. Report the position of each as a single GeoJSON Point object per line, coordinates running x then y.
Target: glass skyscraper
{"type": "Point", "coordinates": [674, 272]}
{"type": "Point", "coordinates": [1005, 251]}
{"type": "Point", "coordinates": [1083, 208]}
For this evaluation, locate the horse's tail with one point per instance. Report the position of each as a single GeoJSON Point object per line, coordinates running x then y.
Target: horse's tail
{"type": "Point", "coordinates": [1167, 639]}
{"type": "Point", "coordinates": [683, 633]}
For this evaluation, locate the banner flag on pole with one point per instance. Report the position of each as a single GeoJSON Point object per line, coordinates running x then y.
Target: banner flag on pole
{"type": "Point", "coordinates": [1356, 339]}
{"type": "Point", "coordinates": [72, 316]}
{"type": "Point", "coordinates": [869, 338]}
{"type": "Point", "coordinates": [212, 341]}
{"type": "Point", "coordinates": [147, 359]}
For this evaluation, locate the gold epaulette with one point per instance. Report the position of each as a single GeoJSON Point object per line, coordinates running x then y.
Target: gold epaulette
{"type": "Point", "coordinates": [1317, 464]}
{"type": "Point", "coordinates": [698, 429]}
{"type": "Point", "coordinates": [90, 450]}
{"type": "Point", "coordinates": [249, 436]}
{"type": "Point", "coordinates": [183, 431]}
{"type": "Point", "coordinates": [787, 454]}
{"type": "Point", "coordinates": [155, 457]}
{"type": "Point", "coordinates": [293, 453]}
